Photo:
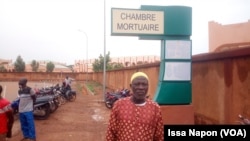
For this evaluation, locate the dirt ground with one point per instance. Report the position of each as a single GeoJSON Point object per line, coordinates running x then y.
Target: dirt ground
{"type": "Point", "coordinates": [85, 119]}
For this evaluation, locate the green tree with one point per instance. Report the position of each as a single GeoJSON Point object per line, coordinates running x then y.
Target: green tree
{"type": "Point", "coordinates": [98, 63]}
{"type": "Point", "coordinates": [50, 67]}
{"type": "Point", "coordinates": [19, 65]}
{"type": "Point", "coordinates": [34, 65]}
{"type": "Point", "coordinates": [3, 69]}
{"type": "Point", "coordinates": [117, 66]}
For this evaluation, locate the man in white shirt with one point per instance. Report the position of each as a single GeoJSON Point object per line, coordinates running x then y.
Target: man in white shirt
{"type": "Point", "coordinates": [68, 81]}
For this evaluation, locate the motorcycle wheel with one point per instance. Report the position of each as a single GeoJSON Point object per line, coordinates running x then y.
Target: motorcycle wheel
{"type": "Point", "coordinates": [62, 99]}
{"type": "Point", "coordinates": [57, 101]}
{"type": "Point", "coordinates": [108, 104]}
{"type": "Point", "coordinates": [72, 97]}
{"type": "Point", "coordinates": [42, 113]}
{"type": "Point", "coordinates": [53, 106]}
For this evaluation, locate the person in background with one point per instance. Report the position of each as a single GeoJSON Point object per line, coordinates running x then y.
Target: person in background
{"type": "Point", "coordinates": [136, 118]}
{"type": "Point", "coordinates": [68, 82]}
{"type": "Point", "coordinates": [27, 98]}
{"type": "Point", "coordinates": [6, 117]}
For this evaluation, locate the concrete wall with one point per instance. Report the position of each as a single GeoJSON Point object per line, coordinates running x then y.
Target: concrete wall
{"type": "Point", "coordinates": [220, 83]}
{"type": "Point", "coordinates": [221, 86]}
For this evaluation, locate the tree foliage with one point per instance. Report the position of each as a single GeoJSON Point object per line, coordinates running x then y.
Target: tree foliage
{"type": "Point", "coordinates": [99, 63]}
{"type": "Point", "coordinates": [117, 65]}
{"type": "Point", "coordinates": [3, 69]}
{"type": "Point", "coordinates": [34, 65]}
{"type": "Point", "coordinates": [19, 65]}
{"type": "Point", "coordinates": [50, 67]}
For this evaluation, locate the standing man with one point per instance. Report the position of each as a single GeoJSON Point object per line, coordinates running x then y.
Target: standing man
{"type": "Point", "coordinates": [6, 117]}
{"type": "Point", "coordinates": [27, 97]}
{"type": "Point", "coordinates": [136, 118]}
{"type": "Point", "coordinates": [68, 82]}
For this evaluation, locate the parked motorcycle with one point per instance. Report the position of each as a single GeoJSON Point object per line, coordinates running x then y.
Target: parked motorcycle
{"type": "Point", "coordinates": [111, 98]}
{"type": "Point", "coordinates": [67, 92]}
{"type": "Point", "coordinates": [53, 99]}
{"type": "Point", "coordinates": [50, 91]}
{"type": "Point", "coordinates": [43, 107]}
{"type": "Point", "coordinates": [243, 120]}
{"type": "Point", "coordinates": [60, 97]}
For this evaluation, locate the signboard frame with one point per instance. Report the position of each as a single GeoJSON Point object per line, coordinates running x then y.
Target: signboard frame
{"type": "Point", "coordinates": [177, 71]}
{"type": "Point", "coordinates": [178, 49]}
{"type": "Point", "coordinates": [134, 22]}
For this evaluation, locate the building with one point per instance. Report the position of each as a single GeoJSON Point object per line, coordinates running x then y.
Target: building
{"type": "Point", "coordinates": [59, 67]}
{"type": "Point", "coordinates": [83, 65]}
{"type": "Point", "coordinates": [86, 65]}
{"type": "Point", "coordinates": [223, 37]}
{"type": "Point", "coordinates": [6, 65]}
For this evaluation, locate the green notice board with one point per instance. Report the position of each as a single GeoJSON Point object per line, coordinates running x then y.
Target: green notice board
{"type": "Point", "coordinates": [173, 93]}
{"type": "Point", "coordinates": [174, 86]}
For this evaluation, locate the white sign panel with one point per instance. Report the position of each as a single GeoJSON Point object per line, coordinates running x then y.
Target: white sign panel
{"type": "Point", "coordinates": [127, 21]}
{"type": "Point", "coordinates": [180, 71]}
{"type": "Point", "coordinates": [178, 49]}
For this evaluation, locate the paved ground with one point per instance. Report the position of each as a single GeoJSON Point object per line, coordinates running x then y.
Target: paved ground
{"type": "Point", "coordinates": [83, 120]}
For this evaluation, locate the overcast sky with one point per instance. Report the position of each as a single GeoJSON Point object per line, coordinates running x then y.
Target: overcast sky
{"type": "Point", "coordinates": [49, 29]}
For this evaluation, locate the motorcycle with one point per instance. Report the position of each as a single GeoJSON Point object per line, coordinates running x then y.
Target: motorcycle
{"type": "Point", "coordinates": [60, 97]}
{"type": "Point", "coordinates": [43, 107]}
{"type": "Point", "coordinates": [243, 120]}
{"type": "Point", "coordinates": [49, 92]}
{"type": "Point", "coordinates": [53, 100]}
{"type": "Point", "coordinates": [67, 92]}
{"type": "Point", "coordinates": [111, 98]}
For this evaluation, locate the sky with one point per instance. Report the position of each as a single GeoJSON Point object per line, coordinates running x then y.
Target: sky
{"type": "Point", "coordinates": [69, 30]}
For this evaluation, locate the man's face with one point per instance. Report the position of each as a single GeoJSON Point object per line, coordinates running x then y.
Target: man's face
{"type": "Point", "coordinates": [21, 86]}
{"type": "Point", "coordinates": [139, 87]}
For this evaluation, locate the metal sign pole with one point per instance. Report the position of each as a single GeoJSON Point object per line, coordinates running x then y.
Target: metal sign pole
{"type": "Point", "coordinates": [104, 63]}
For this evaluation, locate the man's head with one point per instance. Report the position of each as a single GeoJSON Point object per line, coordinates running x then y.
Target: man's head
{"type": "Point", "coordinates": [139, 86]}
{"type": "Point", "coordinates": [22, 82]}
{"type": "Point", "coordinates": [138, 74]}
